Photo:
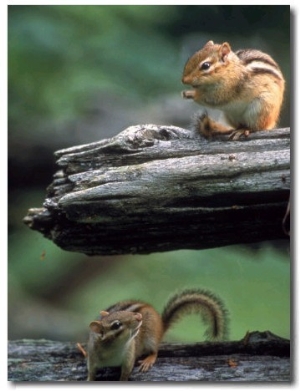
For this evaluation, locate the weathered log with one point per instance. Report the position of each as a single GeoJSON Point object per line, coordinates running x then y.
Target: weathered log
{"type": "Point", "coordinates": [257, 357]}
{"type": "Point", "coordinates": [159, 188]}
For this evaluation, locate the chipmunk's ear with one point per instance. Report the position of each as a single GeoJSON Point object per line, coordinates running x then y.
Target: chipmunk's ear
{"type": "Point", "coordinates": [104, 313]}
{"type": "Point", "coordinates": [95, 326]}
{"type": "Point", "coordinates": [224, 50]}
{"type": "Point", "coordinates": [209, 43]}
{"type": "Point", "coordinates": [138, 316]}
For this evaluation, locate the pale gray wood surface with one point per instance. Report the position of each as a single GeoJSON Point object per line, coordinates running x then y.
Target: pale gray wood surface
{"type": "Point", "coordinates": [158, 188]}
{"type": "Point", "coordinates": [260, 357]}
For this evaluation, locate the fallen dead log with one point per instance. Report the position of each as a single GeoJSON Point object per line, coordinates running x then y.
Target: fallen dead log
{"type": "Point", "coordinates": [159, 188]}
{"type": "Point", "coordinates": [260, 356]}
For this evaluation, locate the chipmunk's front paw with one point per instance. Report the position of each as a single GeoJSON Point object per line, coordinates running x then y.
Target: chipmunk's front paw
{"type": "Point", "coordinates": [189, 94]}
{"type": "Point", "coordinates": [147, 362]}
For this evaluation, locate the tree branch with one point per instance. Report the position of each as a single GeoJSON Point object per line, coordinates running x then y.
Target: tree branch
{"type": "Point", "coordinates": [159, 188]}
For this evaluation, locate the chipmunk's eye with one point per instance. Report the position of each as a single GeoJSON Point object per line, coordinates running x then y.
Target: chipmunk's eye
{"type": "Point", "coordinates": [116, 325]}
{"type": "Point", "coordinates": [205, 65]}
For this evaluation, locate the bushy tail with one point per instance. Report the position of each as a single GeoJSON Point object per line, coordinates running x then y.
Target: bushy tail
{"type": "Point", "coordinates": [201, 302]}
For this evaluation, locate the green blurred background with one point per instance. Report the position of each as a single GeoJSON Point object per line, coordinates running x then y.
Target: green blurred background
{"type": "Point", "coordinates": [78, 74]}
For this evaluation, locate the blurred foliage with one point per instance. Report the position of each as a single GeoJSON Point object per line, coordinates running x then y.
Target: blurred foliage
{"type": "Point", "coordinates": [60, 55]}
{"type": "Point", "coordinates": [64, 63]}
{"type": "Point", "coordinates": [245, 287]}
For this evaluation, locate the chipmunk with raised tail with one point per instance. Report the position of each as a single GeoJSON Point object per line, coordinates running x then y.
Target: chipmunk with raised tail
{"type": "Point", "coordinates": [131, 329]}
{"type": "Point", "coordinates": [246, 85]}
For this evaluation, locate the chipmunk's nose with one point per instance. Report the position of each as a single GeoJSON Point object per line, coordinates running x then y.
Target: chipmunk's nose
{"type": "Point", "coordinates": [185, 79]}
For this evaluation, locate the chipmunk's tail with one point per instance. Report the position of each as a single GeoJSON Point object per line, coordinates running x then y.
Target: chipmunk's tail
{"type": "Point", "coordinates": [202, 302]}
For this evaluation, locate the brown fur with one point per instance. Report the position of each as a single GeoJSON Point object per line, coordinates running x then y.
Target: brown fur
{"type": "Point", "coordinates": [131, 329]}
{"type": "Point", "coordinates": [247, 86]}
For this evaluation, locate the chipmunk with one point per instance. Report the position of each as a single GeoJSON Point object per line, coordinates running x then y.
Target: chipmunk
{"type": "Point", "coordinates": [246, 85]}
{"type": "Point", "coordinates": [131, 329]}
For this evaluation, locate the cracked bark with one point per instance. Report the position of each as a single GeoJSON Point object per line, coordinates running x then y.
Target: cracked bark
{"type": "Point", "coordinates": [260, 356]}
{"type": "Point", "coordinates": [158, 188]}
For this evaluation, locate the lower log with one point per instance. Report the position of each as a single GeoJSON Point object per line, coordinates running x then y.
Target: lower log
{"type": "Point", "coordinates": [260, 356]}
